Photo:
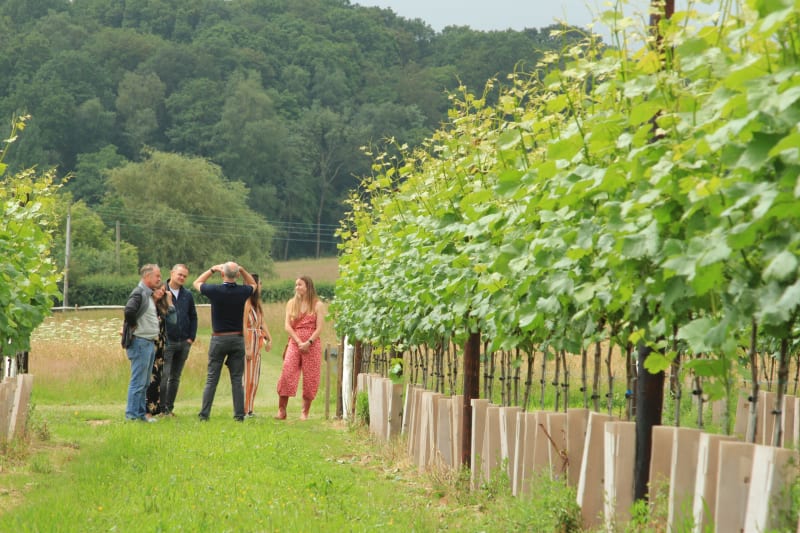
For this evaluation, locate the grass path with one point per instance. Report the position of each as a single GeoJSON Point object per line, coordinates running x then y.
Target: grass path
{"type": "Point", "coordinates": [98, 473]}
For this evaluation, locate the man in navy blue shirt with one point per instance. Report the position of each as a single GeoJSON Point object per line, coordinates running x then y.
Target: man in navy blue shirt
{"type": "Point", "coordinates": [227, 342]}
{"type": "Point", "coordinates": [180, 337]}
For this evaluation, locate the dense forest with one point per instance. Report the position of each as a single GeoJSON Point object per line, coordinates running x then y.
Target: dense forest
{"type": "Point", "coordinates": [174, 125]}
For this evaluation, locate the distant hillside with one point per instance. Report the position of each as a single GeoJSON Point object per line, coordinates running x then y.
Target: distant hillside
{"type": "Point", "coordinates": [280, 95]}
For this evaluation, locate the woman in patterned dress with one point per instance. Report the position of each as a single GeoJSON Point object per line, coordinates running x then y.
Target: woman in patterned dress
{"type": "Point", "coordinates": [255, 334]}
{"type": "Point", "coordinates": [303, 353]}
{"type": "Point", "coordinates": [166, 312]}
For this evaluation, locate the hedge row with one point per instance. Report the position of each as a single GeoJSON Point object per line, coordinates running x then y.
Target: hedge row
{"type": "Point", "coordinates": [114, 290]}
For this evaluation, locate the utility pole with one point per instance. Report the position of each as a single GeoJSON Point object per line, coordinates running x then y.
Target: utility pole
{"type": "Point", "coordinates": [66, 258]}
{"type": "Point", "coordinates": [116, 247]}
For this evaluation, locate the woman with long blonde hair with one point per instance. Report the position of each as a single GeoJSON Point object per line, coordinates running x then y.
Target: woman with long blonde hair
{"type": "Point", "coordinates": [303, 323]}
{"type": "Point", "coordinates": [256, 335]}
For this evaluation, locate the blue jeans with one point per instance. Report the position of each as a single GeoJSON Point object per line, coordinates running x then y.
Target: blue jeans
{"type": "Point", "coordinates": [228, 350]}
{"type": "Point", "coordinates": [141, 354]}
{"type": "Point", "coordinates": [175, 355]}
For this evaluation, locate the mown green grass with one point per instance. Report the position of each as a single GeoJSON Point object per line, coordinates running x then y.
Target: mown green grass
{"type": "Point", "coordinates": [262, 475]}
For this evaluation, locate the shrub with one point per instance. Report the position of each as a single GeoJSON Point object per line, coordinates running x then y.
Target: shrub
{"type": "Point", "coordinates": [362, 408]}
{"type": "Point", "coordinates": [109, 289]}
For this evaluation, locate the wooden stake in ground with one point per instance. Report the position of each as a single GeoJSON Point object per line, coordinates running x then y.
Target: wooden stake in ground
{"type": "Point", "coordinates": [472, 365]}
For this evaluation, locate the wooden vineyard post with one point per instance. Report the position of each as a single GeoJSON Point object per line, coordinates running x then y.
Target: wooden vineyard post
{"type": "Point", "coordinates": [472, 363]}
{"type": "Point", "coordinates": [649, 387]}
{"type": "Point", "coordinates": [650, 402]}
{"type": "Point", "coordinates": [358, 348]}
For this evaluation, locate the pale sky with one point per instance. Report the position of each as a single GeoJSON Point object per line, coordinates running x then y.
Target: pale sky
{"type": "Point", "coordinates": [517, 15]}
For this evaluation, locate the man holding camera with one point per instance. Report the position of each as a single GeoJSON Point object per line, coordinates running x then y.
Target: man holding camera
{"type": "Point", "coordinates": [227, 340]}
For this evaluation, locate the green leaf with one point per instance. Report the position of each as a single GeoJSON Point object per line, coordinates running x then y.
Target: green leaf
{"type": "Point", "coordinates": [788, 149]}
{"type": "Point", "coordinates": [642, 244]}
{"type": "Point", "coordinates": [509, 182]}
{"type": "Point", "coordinates": [782, 267]}
{"type": "Point", "coordinates": [778, 304]}
{"type": "Point", "coordinates": [643, 112]}
{"type": "Point", "coordinates": [694, 333]}
{"type": "Point", "coordinates": [717, 250]}
{"type": "Point", "coordinates": [657, 362]}
{"type": "Point", "coordinates": [509, 139]}
{"type": "Point", "coordinates": [787, 98]}
{"type": "Point", "coordinates": [757, 152]}
{"type": "Point", "coordinates": [706, 367]}
{"type": "Point", "coordinates": [565, 148]}
{"type": "Point", "coordinates": [708, 278]}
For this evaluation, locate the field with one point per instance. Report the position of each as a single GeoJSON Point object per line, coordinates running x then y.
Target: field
{"type": "Point", "coordinates": [59, 346]}
{"type": "Point", "coordinates": [324, 269]}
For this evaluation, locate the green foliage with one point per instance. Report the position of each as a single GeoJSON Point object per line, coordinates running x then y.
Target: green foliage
{"type": "Point", "coordinates": [362, 408]}
{"type": "Point", "coordinates": [88, 182]}
{"type": "Point", "coordinates": [111, 289]}
{"type": "Point", "coordinates": [283, 290]}
{"type": "Point", "coordinates": [652, 514]}
{"type": "Point", "coordinates": [92, 244]}
{"type": "Point", "coordinates": [552, 506]}
{"type": "Point", "coordinates": [640, 192]}
{"type": "Point", "coordinates": [102, 289]}
{"type": "Point", "coordinates": [28, 275]}
{"type": "Point", "coordinates": [396, 369]}
{"type": "Point", "coordinates": [182, 209]}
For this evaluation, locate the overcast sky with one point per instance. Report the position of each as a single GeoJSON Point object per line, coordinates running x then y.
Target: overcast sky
{"type": "Point", "coordinates": [506, 14]}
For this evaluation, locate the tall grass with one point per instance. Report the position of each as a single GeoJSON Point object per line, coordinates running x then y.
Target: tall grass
{"type": "Point", "coordinates": [76, 358]}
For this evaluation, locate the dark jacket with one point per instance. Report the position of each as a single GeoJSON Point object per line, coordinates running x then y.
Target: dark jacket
{"type": "Point", "coordinates": [185, 326]}
{"type": "Point", "coordinates": [134, 307]}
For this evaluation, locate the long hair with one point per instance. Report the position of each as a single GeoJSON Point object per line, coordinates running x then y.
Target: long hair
{"type": "Point", "coordinates": [162, 304]}
{"type": "Point", "coordinates": [255, 298]}
{"type": "Point", "coordinates": [310, 299]}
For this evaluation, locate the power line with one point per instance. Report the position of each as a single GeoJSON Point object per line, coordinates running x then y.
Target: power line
{"type": "Point", "coordinates": [237, 222]}
{"type": "Point", "coordinates": [200, 232]}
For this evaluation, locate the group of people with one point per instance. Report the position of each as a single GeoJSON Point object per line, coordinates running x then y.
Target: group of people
{"type": "Point", "coordinates": [163, 320]}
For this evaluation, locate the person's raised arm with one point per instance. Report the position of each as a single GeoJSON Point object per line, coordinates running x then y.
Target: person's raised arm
{"type": "Point", "coordinates": [248, 278]}
{"type": "Point", "coordinates": [204, 276]}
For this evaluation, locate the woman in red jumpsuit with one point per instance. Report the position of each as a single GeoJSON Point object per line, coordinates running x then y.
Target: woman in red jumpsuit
{"type": "Point", "coordinates": [303, 323]}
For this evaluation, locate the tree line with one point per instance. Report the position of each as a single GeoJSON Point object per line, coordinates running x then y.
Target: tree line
{"type": "Point", "coordinates": [248, 118]}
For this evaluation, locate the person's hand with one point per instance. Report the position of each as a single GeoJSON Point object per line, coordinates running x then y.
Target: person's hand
{"type": "Point", "coordinates": [268, 345]}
